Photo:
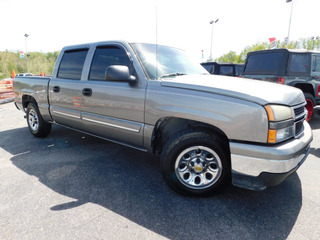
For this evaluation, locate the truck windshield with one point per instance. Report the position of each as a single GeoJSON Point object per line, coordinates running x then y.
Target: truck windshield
{"type": "Point", "coordinates": [161, 61]}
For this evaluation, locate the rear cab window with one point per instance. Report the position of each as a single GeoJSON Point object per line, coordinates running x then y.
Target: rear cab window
{"type": "Point", "coordinates": [267, 63]}
{"type": "Point", "coordinates": [239, 69]}
{"type": "Point", "coordinates": [226, 70]}
{"type": "Point", "coordinates": [209, 68]}
{"type": "Point", "coordinates": [71, 64]}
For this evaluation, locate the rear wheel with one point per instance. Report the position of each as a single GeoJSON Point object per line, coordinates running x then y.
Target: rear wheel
{"type": "Point", "coordinates": [311, 102]}
{"type": "Point", "coordinates": [37, 126]}
{"type": "Point", "coordinates": [195, 163]}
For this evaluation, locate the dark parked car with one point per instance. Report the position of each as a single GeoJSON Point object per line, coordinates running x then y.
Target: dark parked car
{"type": "Point", "coordinates": [227, 69]}
{"type": "Point", "coordinates": [297, 68]}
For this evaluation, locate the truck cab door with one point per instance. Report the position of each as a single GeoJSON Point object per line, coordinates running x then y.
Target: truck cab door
{"type": "Point", "coordinates": [65, 91]}
{"type": "Point", "coordinates": [114, 109]}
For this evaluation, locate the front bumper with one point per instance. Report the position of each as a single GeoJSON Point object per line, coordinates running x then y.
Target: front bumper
{"type": "Point", "coordinates": [256, 167]}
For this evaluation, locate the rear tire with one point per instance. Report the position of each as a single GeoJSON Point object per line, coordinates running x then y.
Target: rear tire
{"type": "Point", "coordinates": [37, 126]}
{"type": "Point", "coordinates": [195, 163]}
{"type": "Point", "coordinates": [311, 102]}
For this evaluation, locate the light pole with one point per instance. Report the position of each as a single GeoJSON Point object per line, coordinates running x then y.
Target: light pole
{"type": "Point", "coordinates": [314, 39]}
{"type": "Point", "coordinates": [212, 22]}
{"type": "Point", "coordinates": [26, 35]}
{"type": "Point", "coordinates": [288, 1]}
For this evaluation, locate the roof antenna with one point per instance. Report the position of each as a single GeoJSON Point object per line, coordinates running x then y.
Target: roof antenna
{"type": "Point", "coordinates": [156, 42]}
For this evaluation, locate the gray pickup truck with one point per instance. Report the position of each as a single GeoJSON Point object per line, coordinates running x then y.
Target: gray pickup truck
{"type": "Point", "coordinates": [208, 130]}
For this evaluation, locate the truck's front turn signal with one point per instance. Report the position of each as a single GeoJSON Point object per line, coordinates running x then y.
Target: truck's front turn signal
{"type": "Point", "coordinates": [272, 136]}
{"type": "Point", "coordinates": [270, 112]}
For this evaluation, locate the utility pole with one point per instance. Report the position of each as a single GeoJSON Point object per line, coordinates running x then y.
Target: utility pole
{"type": "Point", "coordinates": [288, 38]}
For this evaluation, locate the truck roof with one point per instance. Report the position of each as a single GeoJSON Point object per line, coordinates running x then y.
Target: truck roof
{"type": "Point", "coordinates": [284, 50]}
{"type": "Point", "coordinates": [94, 44]}
{"type": "Point", "coordinates": [87, 45]}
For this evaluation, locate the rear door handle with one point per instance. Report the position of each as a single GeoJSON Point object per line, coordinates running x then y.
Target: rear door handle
{"type": "Point", "coordinates": [56, 89]}
{"type": "Point", "coordinates": [87, 92]}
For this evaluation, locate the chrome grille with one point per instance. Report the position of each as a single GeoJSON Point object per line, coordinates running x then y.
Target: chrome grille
{"type": "Point", "coordinates": [299, 127]}
{"type": "Point", "coordinates": [299, 117]}
{"type": "Point", "coordinates": [298, 111]}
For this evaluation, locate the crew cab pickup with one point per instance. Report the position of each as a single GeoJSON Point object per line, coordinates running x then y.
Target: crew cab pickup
{"type": "Point", "coordinates": [208, 130]}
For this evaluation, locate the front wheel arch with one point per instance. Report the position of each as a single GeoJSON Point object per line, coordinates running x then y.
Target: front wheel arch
{"type": "Point", "coordinates": [167, 127]}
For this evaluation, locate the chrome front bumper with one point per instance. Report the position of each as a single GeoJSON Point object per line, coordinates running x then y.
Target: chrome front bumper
{"type": "Point", "coordinates": [252, 163]}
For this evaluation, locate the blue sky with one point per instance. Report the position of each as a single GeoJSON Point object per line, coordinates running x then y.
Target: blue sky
{"type": "Point", "coordinates": [184, 24]}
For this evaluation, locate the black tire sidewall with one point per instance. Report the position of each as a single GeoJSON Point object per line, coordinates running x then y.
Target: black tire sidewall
{"type": "Point", "coordinates": [44, 128]}
{"type": "Point", "coordinates": [183, 141]}
{"type": "Point", "coordinates": [30, 107]}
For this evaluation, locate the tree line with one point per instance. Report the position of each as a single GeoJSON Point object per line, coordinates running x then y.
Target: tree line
{"type": "Point", "coordinates": [303, 43]}
{"type": "Point", "coordinates": [44, 62]}
{"type": "Point", "coordinates": [38, 62]}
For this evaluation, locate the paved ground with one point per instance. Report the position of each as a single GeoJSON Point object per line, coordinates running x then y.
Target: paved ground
{"type": "Point", "coordinates": [72, 186]}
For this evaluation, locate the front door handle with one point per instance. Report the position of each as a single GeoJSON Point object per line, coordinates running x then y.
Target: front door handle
{"type": "Point", "coordinates": [56, 89]}
{"type": "Point", "coordinates": [87, 92]}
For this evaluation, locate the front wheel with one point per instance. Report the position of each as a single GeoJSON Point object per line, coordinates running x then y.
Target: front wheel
{"type": "Point", "coordinates": [195, 163]}
{"type": "Point", "coordinates": [37, 126]}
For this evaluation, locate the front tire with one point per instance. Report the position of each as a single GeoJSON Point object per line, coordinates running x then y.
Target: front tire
{"type": "Point", "coordinates": [37, 126]}
{"type": "Point", "coordinates": [195, 163]}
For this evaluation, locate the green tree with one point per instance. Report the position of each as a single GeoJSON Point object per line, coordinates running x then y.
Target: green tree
{"type": "Point", "coordinates": [38, 62]}
{"type": "Point", "coordinates": [251, 48]}
{"type": "Point", "coordinates": [229, 57]}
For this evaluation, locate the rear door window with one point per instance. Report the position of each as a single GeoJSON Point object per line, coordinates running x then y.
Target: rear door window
{"type": "Point", "coordinates": [264, 64]}
{"type": "Point", "coordinates": [72, 64]}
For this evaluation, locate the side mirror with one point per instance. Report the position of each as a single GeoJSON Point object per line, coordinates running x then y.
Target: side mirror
{"type": "Point", "coordinates": [119, 73]}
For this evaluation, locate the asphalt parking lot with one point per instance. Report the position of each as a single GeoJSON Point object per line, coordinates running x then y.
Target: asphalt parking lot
{"type": "Point", "coordinates": [73, 186]}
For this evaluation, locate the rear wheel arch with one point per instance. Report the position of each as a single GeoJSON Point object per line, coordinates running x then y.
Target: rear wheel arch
{"type": "Point", "coordinates": [305, 88]}
{"type": "Point", "coordinates": [26, 99]}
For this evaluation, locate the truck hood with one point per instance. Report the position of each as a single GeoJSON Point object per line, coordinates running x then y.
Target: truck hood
{"type": "Point", "coordinates": [246, 89]}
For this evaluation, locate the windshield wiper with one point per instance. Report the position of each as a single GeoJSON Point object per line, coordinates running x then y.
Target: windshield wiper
{"type": "Point", "coordinates": [173, 75]}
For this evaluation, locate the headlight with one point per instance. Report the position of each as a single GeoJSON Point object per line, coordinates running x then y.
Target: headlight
{"type": "Point", "coordinates": [278, 112]}
{"type": "Point", "coordinates": [281, 123]}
